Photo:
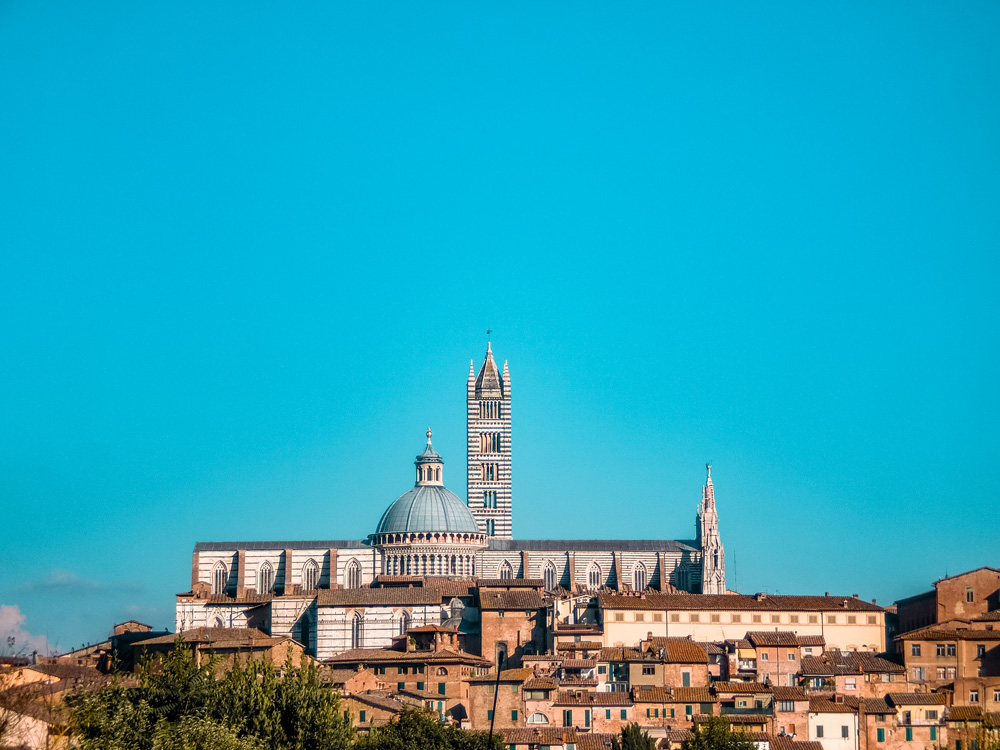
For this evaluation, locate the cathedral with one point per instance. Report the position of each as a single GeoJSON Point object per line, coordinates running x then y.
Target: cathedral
{"type": "Point", "coordinates": [422, 562]}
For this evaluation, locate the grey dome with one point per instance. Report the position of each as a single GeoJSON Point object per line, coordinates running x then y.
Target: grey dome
{"type": "Point", "coordinates": [428, 508]}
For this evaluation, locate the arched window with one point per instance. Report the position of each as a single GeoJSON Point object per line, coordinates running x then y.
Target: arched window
{"type": "Point", "coordinates": [442, 672]}
{"type": "Point", "coordinates": [357, 631]}
{"type": "Point", "coordinates": [265, 579]}
{"type": "Point", "coordinates": [220, 578]}
{"type": "Point", "coordinates": [639, 577]}
{"type": "Point", "coordinates": [217, 623]}
{"type": "Point", "coordinates": [353, 575]}
{"type": "Point", "coordinates": [538, 718]}
{"type": "Point", "coordinates": [505, 570]}
{"type": "Point", "coordinates": [310, 576]}
{"type": "Point", "coordinates": [594, 576]}
{"type": "Point", "coordinates": [404, 622]}
{"type": "Point", "coordinates": [549, 575]}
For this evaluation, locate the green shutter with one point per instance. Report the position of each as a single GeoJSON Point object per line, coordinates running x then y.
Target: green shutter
{"type": "Point", "coordinates": [880, 734]}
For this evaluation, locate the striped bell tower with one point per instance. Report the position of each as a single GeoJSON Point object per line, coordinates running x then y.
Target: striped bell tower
{"type": "Point", "coordinates": [489, 447]}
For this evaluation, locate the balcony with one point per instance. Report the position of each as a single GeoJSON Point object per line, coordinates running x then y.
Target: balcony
{"type": "Point", "coordinates": [747, 665]}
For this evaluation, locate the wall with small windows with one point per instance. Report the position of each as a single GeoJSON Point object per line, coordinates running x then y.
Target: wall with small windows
{"type": "Point", "coordinates": [626, 621]}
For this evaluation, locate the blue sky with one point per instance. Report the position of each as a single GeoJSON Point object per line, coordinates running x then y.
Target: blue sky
{"type": "Point", "coordinates": [249, 250]}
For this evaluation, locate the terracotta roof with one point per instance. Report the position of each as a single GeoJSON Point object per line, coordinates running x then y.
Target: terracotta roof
{"type": "Point", "coordinates": [572, 683]}
{"type": "Point", "coordinates": [232, 637]}
{"type": "Point", "coordinates": [579, 646]}
{"type": "Point", "coordinates": [651, 694]}
{"type": "Point", "coordinates": [918, 699]}
{"type": "Point", "coordinates": [733, 718]}
{"type": "Point", "coordinates": [432, 629]}
{"type": "Point", "coordinates": [516, 599]}
{"type": "Point", "coordinates": [711, 648]}
{"type": "Point", "coordinates": [595, 741]}
{"type": "Point", "coordinates": [371, 597]}
{"type": "Point", "coordinates": [964, 713]}
{"type": "Point", "coordinates": [740, 687]}
{"type": "Point", "coordinates": [680, 650]}
{"type": "Point", "coordinates": [993, 616]}
{"type": "Point", "coordinates": [378, 655]}
{"type": "Point", "coordinates": [776, 638]}
{"type": "Point", "coordinates": [541, 683]}
{"type": "Point", "coordinates": [591, 698]}
{"type": "Point", "coordinates": [847, 663]}
{"type": "Point", "coordinates": [737, 602]}
{"type": "Point", "coordinates": [811, 640]}
{"type": "Point", "coordinates": [340, 676]}
{"type": "Point", "coordinates": [611, 653]}
{"type": "Point", "coordinates": [579, 663]}
{"type": "Point", "coordinates": [937, 633]}
{"type": "Point", "coordinates": [247, 597]}
{"type": "Point", "coordinates": [507, 675]}
{"type": "Point", "coordinates": [510, 583]}
{"type": "Point", "coordinates": [378, 699]}
{"type": "Point", "coordinates": [692, 695]}
{"type": "Point", "coordinates": [823, 705]}
{"type": "Point", "coordinates": [787, 743]}
{"type": "Point", "coordinates": [537, 735]}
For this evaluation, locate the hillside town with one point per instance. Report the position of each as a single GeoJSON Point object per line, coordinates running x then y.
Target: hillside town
{"type": "Point", "coordinates": [562, 643]}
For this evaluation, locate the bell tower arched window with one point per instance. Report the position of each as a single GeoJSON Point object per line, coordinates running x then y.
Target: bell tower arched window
{"type": "Point", "coordinates": [404, 622]}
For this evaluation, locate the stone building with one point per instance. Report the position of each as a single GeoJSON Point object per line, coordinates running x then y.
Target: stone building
{"type": "Point", "coordinates": [334, 595]}
{"type": "Point", "coordinates": [959, 597]}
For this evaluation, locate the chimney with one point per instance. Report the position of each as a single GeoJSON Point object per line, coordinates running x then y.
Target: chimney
{"type": "Point", "coordinates": [838, 699]}
{"type": "Point", "coordinates": [827, 594]}
{"type": "Point", "coordinates": [855, 596]}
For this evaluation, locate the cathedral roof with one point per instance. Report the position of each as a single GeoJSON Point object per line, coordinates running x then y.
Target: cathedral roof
{"type": "Point", "coordinates": [428, 508]}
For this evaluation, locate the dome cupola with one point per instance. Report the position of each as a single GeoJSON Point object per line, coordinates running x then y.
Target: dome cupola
{"type": "Point", "coordinates": [428, 530]}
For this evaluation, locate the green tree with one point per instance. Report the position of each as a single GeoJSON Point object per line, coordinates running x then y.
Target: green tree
{"type": "Point", "coordinates": [717, 734]}
{"type": "Point", "coordinates": [421, 730]}
{"type": "Point", "coordinates": [180, 704]}
{"type": "Point", "coordinates": [633, 738]}
{"type": "Point", "coordinates": [198, 733]}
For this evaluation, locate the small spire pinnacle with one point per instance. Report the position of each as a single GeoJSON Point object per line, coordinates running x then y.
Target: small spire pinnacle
{"type": "Point", "coordinates": [489, 347]}
{"type": "Point", "coordinates": [709, 468]}
{"type": "Point", "coordinates": [428, 436]}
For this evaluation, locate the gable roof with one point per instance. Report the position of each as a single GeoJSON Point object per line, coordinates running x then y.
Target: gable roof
{"type": "Point", "coordinates": [516, 599]}
{"type": "Point", "coordinates": [381, 596]}
{"type": "Point", "coordinates": [784, 638]}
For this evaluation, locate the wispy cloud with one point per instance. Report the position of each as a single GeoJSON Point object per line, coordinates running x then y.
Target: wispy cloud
{"type": "Point", "coordinates": [14, 639]}
{"type": "Point", "coordinates": [68, 582]}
